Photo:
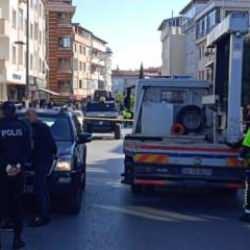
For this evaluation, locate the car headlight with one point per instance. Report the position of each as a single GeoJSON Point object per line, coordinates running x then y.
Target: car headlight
{"type": "Point", "coordinates": [64, 164]}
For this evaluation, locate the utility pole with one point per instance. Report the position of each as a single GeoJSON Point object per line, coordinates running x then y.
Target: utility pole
{"type": "Point", "coordinates": [27, 90]}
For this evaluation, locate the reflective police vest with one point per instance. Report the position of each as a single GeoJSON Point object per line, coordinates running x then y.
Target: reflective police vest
{"type": "Point", "coordinates": [246, 141]}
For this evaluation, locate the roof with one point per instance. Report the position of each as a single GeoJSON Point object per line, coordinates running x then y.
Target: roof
{"type": "Point", "coordinates": [46, 111]}
{"type": "Point", "coordinates": [190, 4]}
{"type": "Point", "coordinates": [184, 83]}
{"type": "Point", "coordinates": [135, 73]}
{"type": "Point", "coordinates": [99, 39]}
{"type": "Point", "coordinates": [78, 25]}
{"type": "Point", "coordinates": [169, 20]}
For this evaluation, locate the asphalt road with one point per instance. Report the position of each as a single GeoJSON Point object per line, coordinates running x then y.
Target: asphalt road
{"type": "Point", "coordinates": [113, 219]}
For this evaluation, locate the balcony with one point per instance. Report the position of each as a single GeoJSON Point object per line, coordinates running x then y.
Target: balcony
{"type": "Point", "coordinates": [3, 28]}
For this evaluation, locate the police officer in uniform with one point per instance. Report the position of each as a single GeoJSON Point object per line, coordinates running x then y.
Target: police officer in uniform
{"type": "Point", "coordinates": [43, 153]}
{"type": "Point", "coordinates": [15, 152]}
{"type": "Point", "coordinates": [245, 154]}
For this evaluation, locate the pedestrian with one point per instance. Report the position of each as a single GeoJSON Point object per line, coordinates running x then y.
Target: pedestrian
{"type": "Point", "coordinates": [15, 152]}
{"type": "Point", "coordinates": [247, 116]}
{"type": "Point", "coordinates": [245, 154]}
{"type": "Point", "coordinates": [43, 154]}
{"type": "Point", "coordinates": [244, 145]}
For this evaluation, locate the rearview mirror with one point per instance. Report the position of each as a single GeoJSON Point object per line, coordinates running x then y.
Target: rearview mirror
{"type": "Point", "coordinates": [84, 138]}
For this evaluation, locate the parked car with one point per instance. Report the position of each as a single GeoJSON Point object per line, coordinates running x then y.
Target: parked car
{"type": "Point", "coordinates": [68, 177]}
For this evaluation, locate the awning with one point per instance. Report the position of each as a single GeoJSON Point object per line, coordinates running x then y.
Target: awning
{"type": "Point", "coordinates": [50, 92]}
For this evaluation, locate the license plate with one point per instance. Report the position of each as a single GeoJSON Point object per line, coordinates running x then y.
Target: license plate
{"type": "Point", "coordinates": [197, 171]}
{"type": "Point", "coordinates": [28, 189]}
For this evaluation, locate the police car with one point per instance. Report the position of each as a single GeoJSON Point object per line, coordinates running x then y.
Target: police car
{"type": "Point", "coordinates": [68, 175]}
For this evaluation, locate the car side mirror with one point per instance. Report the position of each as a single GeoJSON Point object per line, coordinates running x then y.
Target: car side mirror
{"type": "Point", "coordinates": [84, 138]}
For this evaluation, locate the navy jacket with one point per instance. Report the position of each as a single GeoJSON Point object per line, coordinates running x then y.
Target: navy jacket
{"type": "Point", "coordinates": [44, 146]}
{"type": "Point", "coordinates": [15, 143]}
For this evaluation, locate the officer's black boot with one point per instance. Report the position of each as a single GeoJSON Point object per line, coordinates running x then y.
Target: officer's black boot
{"type": "Point", "coordinates": [18, 243]}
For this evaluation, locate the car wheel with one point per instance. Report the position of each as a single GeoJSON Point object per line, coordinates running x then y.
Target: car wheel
{"type": "Point", "coordinates": [117, 132]}
{"type": "Point", "coordinates": [86, 128]}
{"type": "Point", "coordinates": [84, 179]}
{"type": "Point", "coordinates": [75, 202]}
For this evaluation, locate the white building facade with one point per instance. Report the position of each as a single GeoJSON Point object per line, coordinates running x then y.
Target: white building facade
{"type": "Point", "coordinates": [173, 47]}
{"type": "Point", "coordinates": [214, 12]}
{"type": "Point", "coordinates": [189, 12]}
{"type": "Point", "coordinates": [13, 48]}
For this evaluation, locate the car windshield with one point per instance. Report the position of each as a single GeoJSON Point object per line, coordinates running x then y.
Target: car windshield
{"type": "Point", "coordinates": [103, 107]}
{"type": "Point", "coordinates": [59, 126]}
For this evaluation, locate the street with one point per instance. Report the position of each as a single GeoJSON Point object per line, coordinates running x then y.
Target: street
{"type": "Point", "coordinates": [113, 219]}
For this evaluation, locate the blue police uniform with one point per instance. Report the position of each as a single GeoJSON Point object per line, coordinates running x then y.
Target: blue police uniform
{"type": "Point", "coordinates": [15, 147]}
{"type": "Point", "coordinates": [246, 156]}
{"type": "Point", "coordinates": [44, 150]}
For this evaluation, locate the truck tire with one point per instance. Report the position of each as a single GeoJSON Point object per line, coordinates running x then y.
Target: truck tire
{"type": "Point", "coordinates": [117, 132]}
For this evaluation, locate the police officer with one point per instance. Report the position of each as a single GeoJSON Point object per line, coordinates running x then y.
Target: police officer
{"type": "Point", "coordinates": [15, 152]}
{"type": "Point", "coordinates": [245, 153]}
{"type": "Point", "coordinates": [44, 151]}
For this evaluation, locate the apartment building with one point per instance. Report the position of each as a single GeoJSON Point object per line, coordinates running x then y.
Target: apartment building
{"type": "Point", "coordinates": [82, 61]}
{"type": "Point", "coordinates": [173, 46]}
{"type": "Point", "coordinates": [191, 57]}
{"type": "Point", "coordinates": [124, 79]}
{"type": "Point", "coordinates": [13, 48]}
{"type": "Point", "coordinates": [98, 63]}
{"type": "Point", "coordinates": [214, 12]}
{"type": "Point", "coordinates": [92, 63]}
{"type": "Point", "coordinates": [60, 46]}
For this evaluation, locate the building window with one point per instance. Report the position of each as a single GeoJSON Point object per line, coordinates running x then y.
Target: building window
{"type": "Point", "coordinates": [80, 84]}
{"type": "Point", "coordinates": [64, 18]}
{"type": "Point", "coordinates": [20, 19]}
{"type": "Point", "coordinates": [31, 31]}
{"type": "Point", "coordinates": [65, 86]}
{"type": "Point", "coordinates": [64, 65]}
{"type": "Point", "coordinates": [20, 55]}
{"type": "Point", "coordinates": [14, 19]}
{"type": "Point", "coordinates": [14, 61]}
{"type": "Point", "coordinates": [31, 62]}
{"type": "Point", "coordinates": [65, 42]}
{"type": "Point", "coordinates": [207, 23]}
{"type": "Point", "coordinates": [36, 31]}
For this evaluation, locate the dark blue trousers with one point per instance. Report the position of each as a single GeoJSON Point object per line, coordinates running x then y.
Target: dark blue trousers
{"type": "Point", "coordinates": [42, 188]}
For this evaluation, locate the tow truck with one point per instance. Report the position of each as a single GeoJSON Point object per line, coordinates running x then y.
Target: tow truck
{"type": "Point", "coordinates": [176, 140]}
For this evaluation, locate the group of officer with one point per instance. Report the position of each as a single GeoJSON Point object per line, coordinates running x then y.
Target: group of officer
{"type": "Point", "coordinates": [23, 143]}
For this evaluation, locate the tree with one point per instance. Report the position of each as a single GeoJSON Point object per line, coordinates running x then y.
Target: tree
{"type": "Point", "coordinates": [141, 74]}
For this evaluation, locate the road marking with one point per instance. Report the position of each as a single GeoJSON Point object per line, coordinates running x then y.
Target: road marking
{"type": "Point", "coordinates": [131, 211]}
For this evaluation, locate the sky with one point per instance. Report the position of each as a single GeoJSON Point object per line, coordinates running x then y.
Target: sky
{"type": "Point", "coordinates": [129, 26]}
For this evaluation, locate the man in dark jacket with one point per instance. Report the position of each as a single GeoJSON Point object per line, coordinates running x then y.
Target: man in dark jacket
{"type": "Point", "coordinates": [15, 152]}
{"type": "Point", "coordinates": [44, 152]}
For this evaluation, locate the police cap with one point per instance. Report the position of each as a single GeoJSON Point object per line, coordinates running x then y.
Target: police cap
{"type": "Point", "coordinates": [8, 108]}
